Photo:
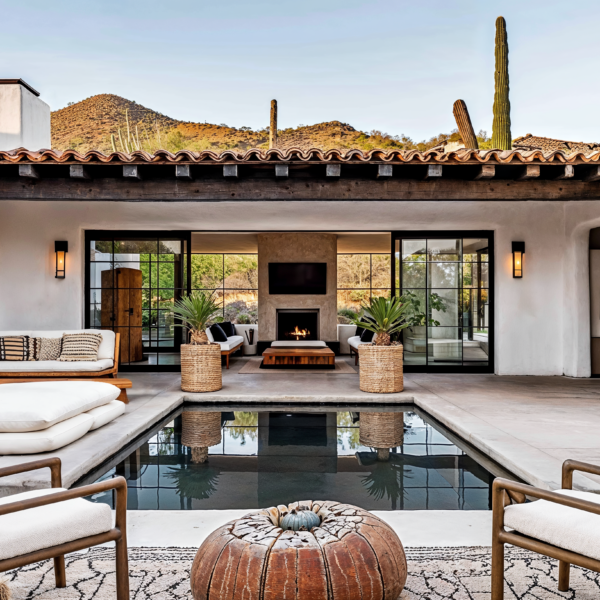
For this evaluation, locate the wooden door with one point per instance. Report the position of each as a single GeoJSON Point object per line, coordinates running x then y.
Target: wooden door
{"type": "Point", "coordinates": [122, 310]}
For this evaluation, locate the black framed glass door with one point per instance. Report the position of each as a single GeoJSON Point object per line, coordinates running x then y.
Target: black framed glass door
{"type": "Point", "coordinates": [447, 277]}
{"type": "Point", "coordinates": [132, 282]}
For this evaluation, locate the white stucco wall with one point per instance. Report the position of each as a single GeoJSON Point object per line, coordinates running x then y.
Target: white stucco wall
{"type": "Point", "coordinates": [24, 119]}
{"type": "Point", "coordinates": [542, 320]}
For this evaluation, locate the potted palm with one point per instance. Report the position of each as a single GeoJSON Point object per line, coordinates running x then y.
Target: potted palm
{"type": "Point", "coordinates": [200, 359]}
{"type": "Point", "coordinates": [381, 368]}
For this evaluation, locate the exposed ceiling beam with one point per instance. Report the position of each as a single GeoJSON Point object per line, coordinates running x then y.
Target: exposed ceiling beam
{"type": "Point", "coordinates": [384, 171]}
{"type": "Point", "coordinates": [28, 171]}
{"type": "Point", "coordinates": [433, 171]}
{"type": "Point", "coordinates": [230, 171]}
{"type": "Point", "coordinates": [486, 172]}
{"type": "Point", "coordinates": [78, 172]}
{"type": "Point", "coordinates": [333, 170]}
{"type": "Point", "coordinates": [282, 171]}
{"type": "Point", "coordinates": [131, 172]}
{"type": "Point", "coordinates": [593, 174]}
{"type": "Point", "coordinates": [529, 172]}
{"type": "Point", "coordinates": [183, 172]}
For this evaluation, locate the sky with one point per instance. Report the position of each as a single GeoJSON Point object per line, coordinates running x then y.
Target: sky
{"type": "Point", "coordinates": [395, 66]}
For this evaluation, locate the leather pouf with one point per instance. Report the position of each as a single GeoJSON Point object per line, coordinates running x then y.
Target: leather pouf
{"type": "Point", "coordinates": [352, 555]}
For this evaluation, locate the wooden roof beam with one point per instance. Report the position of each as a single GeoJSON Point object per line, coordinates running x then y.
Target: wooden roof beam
{"type": "Point", "coordinates": [78, 172]}
{"type": "Point", "coordinates": [529, 172]}
{"type": "Point", "coordinates": [593, 174]}
{"type": "Point", "coordinates": [486, 172]}
{"type": "Point", "coordinates": [333, 171]}
{"type": "Point", "coordinates": [385, 171]}
{"type": "Point", "coordinates": [183, 172]}
{"type": "Point", "coordinates": [433, 171]}
{"type": "Point", "coordinates": [28, 171]}
{"type": "Point", "coordinates": [132, 172]}
{"type": "Point", "coordinates": [282, 171]}
{"type": "Point", "coordinates": [230, 171]}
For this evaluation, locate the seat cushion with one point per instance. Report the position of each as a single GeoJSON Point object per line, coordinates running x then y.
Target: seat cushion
{"type": "Point", "coordinates": [232, 342]}
{"type": "Point", "coordinates": [55, 366]}
{"type": "Point", "coordinates": [106, 349]}
{"type": "Point", "coordinates": [105, 414]}
{"type": "Point", "coordinates": [47, 440]}
{"type": "Point", "coordinates": [561, 526]}
{"type": "Point", "coordinates": [46, 526]}
{"type": "Point", "coordinates": [39, 405]}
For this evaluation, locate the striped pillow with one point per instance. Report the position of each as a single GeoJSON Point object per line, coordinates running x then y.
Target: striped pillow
{"type": "Point", "coordinates": [14, 348]}
{"type": "Point", "coordinates": [80, 346]}
{"type": "Point", "coordinates": [35, 345]}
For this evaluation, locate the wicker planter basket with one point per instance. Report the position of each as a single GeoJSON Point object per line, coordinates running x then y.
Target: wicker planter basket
{"type": "Point", "coordinates": [381, 369]}
{"type": "Point", "coordinates": [381, 430]}
{"type": "Point", "coordinates": [199, 431]}
{"type": "Point", "coordinates": [201, 368]}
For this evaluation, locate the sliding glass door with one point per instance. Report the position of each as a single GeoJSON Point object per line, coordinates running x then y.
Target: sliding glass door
{"type": "Point", "coordinates": [447, 277]}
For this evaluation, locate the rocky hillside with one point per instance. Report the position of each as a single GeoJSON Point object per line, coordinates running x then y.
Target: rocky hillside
{"type": "Point", "coordinates": [91, 123]}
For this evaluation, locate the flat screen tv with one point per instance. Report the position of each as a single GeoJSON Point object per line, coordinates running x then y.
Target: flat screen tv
{"type": "Point", "coordinates": [297, 278]}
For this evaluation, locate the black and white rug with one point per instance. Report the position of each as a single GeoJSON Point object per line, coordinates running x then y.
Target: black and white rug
{"type": "Point", "coordinates": [434, 574]}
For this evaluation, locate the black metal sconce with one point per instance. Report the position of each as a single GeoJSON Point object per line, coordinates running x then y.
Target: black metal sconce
{"type": "Point", "coordinates": [518, 250]}
{"type": "Point", "coordinates": [60, 249]}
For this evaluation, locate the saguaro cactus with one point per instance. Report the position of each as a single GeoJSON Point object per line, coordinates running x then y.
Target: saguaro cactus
{"type": "Point", "coordinates": [465, 127]}
{"type": "Point", "coordinates": [501, 137]}
{"type": "Point", "coordinates": [273, 125]}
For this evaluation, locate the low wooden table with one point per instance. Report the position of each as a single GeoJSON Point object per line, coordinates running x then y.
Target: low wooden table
{"type": "Point", "coordinates": [122, 384]}
{"type": "Point", "coordinates": [315, 357]}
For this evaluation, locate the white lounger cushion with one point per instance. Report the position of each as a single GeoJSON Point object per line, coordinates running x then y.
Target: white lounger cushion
{"type": "Point", "coordinates": [46, 526]}
{"type": "Point", "coordinates": [106, 349]}
{"type": "Point", "coordinates": [298, 344]}
{"type": "Point", "coordinates": [561, 526]}
{"type": "Point", "coordinates": [39, 405]}
{"type": "Point", "coordinates": [47, 440]}
{"type": "Point", "coordinates": [105, 414]}
{"type": "Point", "coordinates": [52, 366]}
{"type": "Point", "coordinates": [232, 342]}
{"type": "Point", "coordinates": [355, 342]}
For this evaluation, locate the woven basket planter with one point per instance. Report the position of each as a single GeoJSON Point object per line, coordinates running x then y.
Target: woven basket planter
{"type": "Point", "coordinates": [381, 369]}
{"type": "Point", "coordinates": [381, 430]}
{"type": "Point", "coordinates": [201, 368]}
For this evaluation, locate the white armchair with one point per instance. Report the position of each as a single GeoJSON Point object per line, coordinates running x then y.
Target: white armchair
{"type": "Point", "coordinates": [564, 525]}
{"type": "Point", "coordinates": [49, 523]}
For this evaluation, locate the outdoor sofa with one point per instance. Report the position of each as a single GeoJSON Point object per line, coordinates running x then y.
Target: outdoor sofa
{"type": "Point", "coordinates": [49, 523]}
{"type": "Point", "coordinates": [228, 347]}
{"type": "Point", "coordinates": [104, 369]}
{"type": "Point", "coordinates": [564, 524]}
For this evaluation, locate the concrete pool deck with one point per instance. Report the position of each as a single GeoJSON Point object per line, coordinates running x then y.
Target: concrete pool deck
{"type": "Point", "coordinates": [528, 425]}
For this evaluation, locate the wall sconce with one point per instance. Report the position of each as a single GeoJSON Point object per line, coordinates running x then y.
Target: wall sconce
{"type": "Point", "coordinates": [60, 249]}
{"type": "Point", "coordinates": [518, 250]}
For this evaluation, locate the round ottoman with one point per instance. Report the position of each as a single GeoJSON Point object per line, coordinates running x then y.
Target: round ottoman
{"type": "Point", "coordinates": [350, 554]}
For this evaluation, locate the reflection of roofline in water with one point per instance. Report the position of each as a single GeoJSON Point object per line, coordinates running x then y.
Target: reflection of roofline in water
{"type": "Point", "coordinates": [437, 461]}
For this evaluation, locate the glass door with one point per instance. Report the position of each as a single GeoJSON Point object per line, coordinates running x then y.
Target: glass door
{"type": "Point", "coordinates": [132, 282]}
{"type": "Point", "coordinates": [446, 278]}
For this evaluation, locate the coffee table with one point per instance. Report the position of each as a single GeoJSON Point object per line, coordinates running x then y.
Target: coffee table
{"type": "Point", "coordinates": [320, 358]}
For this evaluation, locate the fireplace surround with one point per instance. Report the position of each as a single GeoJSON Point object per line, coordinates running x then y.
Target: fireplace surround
{"type": "Point", "coordinates": [297, 324]}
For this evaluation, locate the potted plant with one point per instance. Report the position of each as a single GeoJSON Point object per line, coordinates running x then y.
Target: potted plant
{"type": "Point", "coordinates": [381, 368]}
{"type": "Point", "coordinates": [200, 359]}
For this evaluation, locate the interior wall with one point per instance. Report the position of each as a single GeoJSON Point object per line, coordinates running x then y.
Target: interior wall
{"type": "Point", "coordinates": [297, 247]}
{"type": "Point", "coordinates": [542, 321]}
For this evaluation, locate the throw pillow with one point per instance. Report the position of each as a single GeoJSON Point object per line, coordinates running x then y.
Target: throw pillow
{"type": "Point", "coordinates": [78, 347]}
{"type": "Point", "coordinates": [14, 347]}
{"type": "Point", "coordinates": [228, 327]}
{"type": "Point", "coordinates": [367, 336]}
{"type": "Point", "coordinates": [218, 333]}
{"type": "Point", "coordinates": [50, 348]}
{"type": "Point", "coordinates": [34, 348]}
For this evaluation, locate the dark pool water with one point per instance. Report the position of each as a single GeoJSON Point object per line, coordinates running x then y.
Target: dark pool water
{"type": "Point", "coordinates": [275, 455]}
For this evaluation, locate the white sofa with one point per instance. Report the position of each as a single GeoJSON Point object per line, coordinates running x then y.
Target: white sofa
{"type": "Point", "coordinates": [104, 364]}
{"type": "Point", "coordinates": [232, 344]}
{"type": "Point", "coordinates": [354, 342]}
{"type": "Point", "coordinates": [44, 416]}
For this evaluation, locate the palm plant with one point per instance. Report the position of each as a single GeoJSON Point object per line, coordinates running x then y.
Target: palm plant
{"type": "Point", "coordinates": [195, 312]}
{"type": "Point", "coordinates": [384, 316]}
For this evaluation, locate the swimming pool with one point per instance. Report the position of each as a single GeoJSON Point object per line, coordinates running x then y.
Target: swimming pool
{"type": "Point", "coordinates": [258, 456]}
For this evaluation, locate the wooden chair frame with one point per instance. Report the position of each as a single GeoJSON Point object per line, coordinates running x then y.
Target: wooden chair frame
{"type": "Point", "coordinates": [505, 492]}
{"type": "Point", "coordinates": [227, 353]}
{"type": "Point", "coordinates": [118, 533]}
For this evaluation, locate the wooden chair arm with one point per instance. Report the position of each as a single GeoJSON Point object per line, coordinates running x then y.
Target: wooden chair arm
{"type": "Point", "coordinates": [501, 485]}
{"type": "Point", "coordinates": [570, 466]}
{"type": "Point", "coordinates": [53, 463]}
{"type": "Point", "coordinates": [117, 483]}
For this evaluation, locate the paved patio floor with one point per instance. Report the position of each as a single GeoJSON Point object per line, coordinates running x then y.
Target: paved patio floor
{"type": "Point", "coordinates": [528, 425]}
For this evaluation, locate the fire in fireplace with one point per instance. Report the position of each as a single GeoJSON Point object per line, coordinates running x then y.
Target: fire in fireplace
{"type": "Point", "coordinates": [298, 324]}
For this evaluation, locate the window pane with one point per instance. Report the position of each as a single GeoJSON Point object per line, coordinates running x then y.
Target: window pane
{"type": "Point", "coordinates": [352, 299]}
{"type": "Point", "coordinates": [166, 275]}
{"type": "Point", "coordinates": [381, 293]}
{"type": "Point", "coordinates": [444, 250]}
{"type": "Point", "coordinates": [381, 270]}
{"type": "Point", "coordinates": [474, 247]}
{"type": "Point", "coordinates": [169, 249]}
{"type": "Point", "coordinates": [354, 271]}
{"type": "Point", "coordinates": [443, 275]}
{"type": "Point", "coordinates": [241, 306]}
{"type": "Point", "coordinates": [413, 274]}
{"type": "Point", "coordinates": [444, 345]}
{"type": "Point", "coordinates": [415, 345]}
{"type": "Point", "coordinates": [443, 308]}
{"type": "Point", "coordinates": [416, 314]}
{"type": "Point", "coordinates": [132, 250]}
{"type": "Point", "coordinates": [241, 271]}
{"type": "Point", "coordinates": [207, 271]}
{"type": "Point", "coordinates": [97, 279]}
{"type": "Point", "coordinates": [475, 345]}
{"type": "Point", "coordinates": [101, 250]}
{"type": "Point", "coordinates": [414, 250]}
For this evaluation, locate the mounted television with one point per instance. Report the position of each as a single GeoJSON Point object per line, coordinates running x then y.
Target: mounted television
{"type": "Point", "coordinates": [297, 278]}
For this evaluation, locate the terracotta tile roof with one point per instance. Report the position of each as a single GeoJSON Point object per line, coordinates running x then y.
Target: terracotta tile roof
{"type": "Point", "coordinates": [535, 142]}
{"type": "Point", "coordinates": [296, 155]}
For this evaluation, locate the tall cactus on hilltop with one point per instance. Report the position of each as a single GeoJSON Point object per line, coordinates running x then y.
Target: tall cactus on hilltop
{"type": "Point", "coordinates": [501, 137]}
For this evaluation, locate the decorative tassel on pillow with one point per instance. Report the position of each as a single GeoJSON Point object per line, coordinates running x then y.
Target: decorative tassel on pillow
{"type": "Point", "coordinates": [4, 590]}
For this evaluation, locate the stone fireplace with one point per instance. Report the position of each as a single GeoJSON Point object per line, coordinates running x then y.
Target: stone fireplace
{"type": "Point", "coordinates": [297, 324]}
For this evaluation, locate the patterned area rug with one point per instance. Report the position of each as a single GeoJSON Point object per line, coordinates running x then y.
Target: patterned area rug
{"type": "Point", "coordinates": [434, 574]}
